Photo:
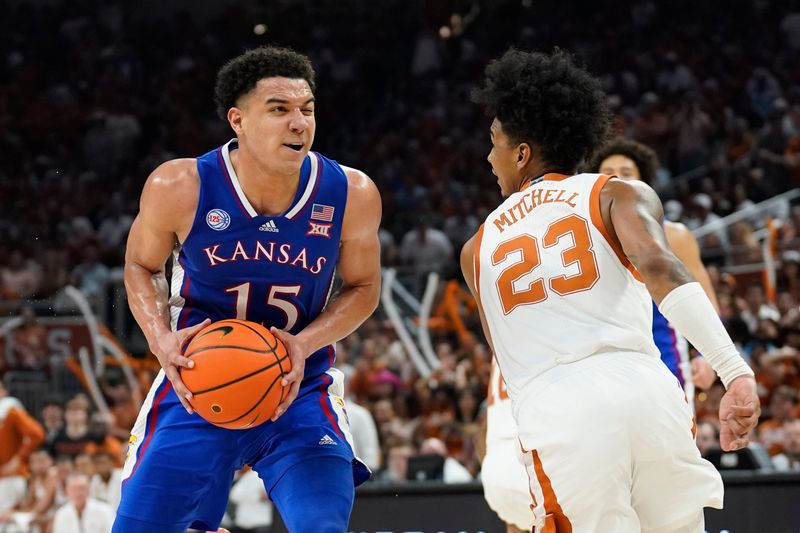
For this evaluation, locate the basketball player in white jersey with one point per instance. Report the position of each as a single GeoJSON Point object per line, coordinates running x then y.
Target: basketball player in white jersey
{"type": "Point", "coordinates": [564, 271]}
{"type": "Point", "coordinates": [505, 484]}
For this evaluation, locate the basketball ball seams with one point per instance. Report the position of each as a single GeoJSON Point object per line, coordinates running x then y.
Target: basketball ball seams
{"type": "Point", "coordinates": [255, 405]}
{"type": "Point", "coordinates": [230, 347]}
{"type": "Point", "coordinates": [241, 378]}
{"type": "Point", "coordinates": [254, 330]}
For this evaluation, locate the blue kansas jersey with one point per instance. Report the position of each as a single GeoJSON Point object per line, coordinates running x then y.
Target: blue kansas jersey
{"type": "Point", "coordinates": [673, 347]}
{"type": "Point", "coordinates": [275, 270]}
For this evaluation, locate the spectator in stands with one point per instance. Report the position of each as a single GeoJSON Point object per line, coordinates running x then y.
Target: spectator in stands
{"type": "Point", "coordinates": [91, 276]}
{"type": "Point", "coordinates": [20, 278]}
{"type": "Point", "coordinates": [426, 249]}
{"type": "Point", "coordinates": [365, 434]}
{"type": "Point", "coordinates": [40, 495]}
{"type": "Point", "coordinates": [74, 436]}
{"type": "Point", "coordinates": [84, 464]}
{"type": "Point", "coordinates": [20, 434]}
{"type": "Point", "coordinates": [252, 508]}
{"type": "Point", "coordinates": [106, 483]}
{"type": "Point", "coordinates": [789, 458]}
{"type": "Point", "coordinates": [454, 471]}
{"type": "Point", "coordinates": [29, 343]}
{"type": "Point", "coordinates": [781, 410]}
{"type": "Point", "coordinates": [52, 417]}
{"type": "Point", "coordinates": [64, 467]}
{"type": "Point", "coordinates": [707, 437]}
{"type": "Point", "coordinates": [702, 214]}
{"type": "Point", "coordinates": [756, 307]}
{"type": "Point", "coordinates": [82, 513]}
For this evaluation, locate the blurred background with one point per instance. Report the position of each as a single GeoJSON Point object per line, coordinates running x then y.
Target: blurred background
{"type": "Point", "coordinates": [94, 95]}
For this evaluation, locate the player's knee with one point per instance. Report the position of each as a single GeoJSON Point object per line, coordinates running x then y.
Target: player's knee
{"type": "Point", "coordinates": [299, 493]}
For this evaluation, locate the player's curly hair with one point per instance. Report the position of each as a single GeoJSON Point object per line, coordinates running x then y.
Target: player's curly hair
{"type": "Point", "coordinates": [240, 75]}
{"type": "Point", "coordinates": [642, 156]}
{"type": "Point", "coordinates": [547, 101]}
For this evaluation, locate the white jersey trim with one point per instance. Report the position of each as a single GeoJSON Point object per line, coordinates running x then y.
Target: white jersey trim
{"type": "Point", "coordinates": [176, 301]}
{"type": "Point", "coordinates": [312, 182]}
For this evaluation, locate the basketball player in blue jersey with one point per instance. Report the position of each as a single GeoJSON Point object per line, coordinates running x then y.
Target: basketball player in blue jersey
{"type": "Point", "coordinates": [631, 160]}
{"type": "Point", "coordinates": [255, 229]}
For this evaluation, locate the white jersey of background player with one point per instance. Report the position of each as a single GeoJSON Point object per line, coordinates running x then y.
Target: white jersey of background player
{"type": "Point", "coordinates": [563, 271]}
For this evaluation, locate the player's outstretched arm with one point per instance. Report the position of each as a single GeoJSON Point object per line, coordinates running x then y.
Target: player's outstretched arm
{"type": "Point", "coordinates": [360, 269]}
{"type": "Point", "coordinates": [632, 212]}
{"type": "Point", "coordinates": [166, 212]}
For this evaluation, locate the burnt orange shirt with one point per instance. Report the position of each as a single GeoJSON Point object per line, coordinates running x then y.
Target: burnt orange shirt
{"type": "Point", "coordinates": [20, 434]}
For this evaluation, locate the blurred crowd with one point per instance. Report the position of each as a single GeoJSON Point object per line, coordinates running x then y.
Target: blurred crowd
{"type": "Point", "coordinates": [89, 105]}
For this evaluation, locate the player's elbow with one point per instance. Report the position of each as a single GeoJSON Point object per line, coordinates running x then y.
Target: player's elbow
{"type": "Point", "coordinates": [662, 271]}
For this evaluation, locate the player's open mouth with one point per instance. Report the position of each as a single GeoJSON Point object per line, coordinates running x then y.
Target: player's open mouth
{"type": "Point", "coordinates": [294, 146]}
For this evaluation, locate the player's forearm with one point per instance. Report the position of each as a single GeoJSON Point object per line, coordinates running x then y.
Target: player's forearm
{"type": "Point", "coordinates": [661, 271]}
{"type": "Point", "coordinates": [348, 310]}
{"type": "Point", "coordinates": [147, 298]}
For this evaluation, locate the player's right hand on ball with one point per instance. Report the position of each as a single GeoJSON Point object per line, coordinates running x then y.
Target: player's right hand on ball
{"type": "Point", "coordinates": [169, 353]}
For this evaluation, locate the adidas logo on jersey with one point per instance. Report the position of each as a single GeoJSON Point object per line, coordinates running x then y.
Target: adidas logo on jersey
{"type": "Point", "coordinates": [269, 226]}
{"type": "Point", "coordinates": [327, 441]}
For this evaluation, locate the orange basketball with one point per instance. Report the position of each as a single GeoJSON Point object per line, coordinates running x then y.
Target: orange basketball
{"type": "Point", "coordinates": [236, 379]}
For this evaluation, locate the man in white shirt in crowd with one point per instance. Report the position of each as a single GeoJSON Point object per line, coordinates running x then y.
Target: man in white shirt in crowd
{"type": "Point", "coordinates": [82, 513]}
{"type": "Point", "coordinates": [253, 509]}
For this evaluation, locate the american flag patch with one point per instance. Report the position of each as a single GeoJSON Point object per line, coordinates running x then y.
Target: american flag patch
{"type": "Point", "coordinates": [322, 212]}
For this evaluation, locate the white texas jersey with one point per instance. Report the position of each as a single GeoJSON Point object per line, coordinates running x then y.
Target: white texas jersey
{"type": "Point", "coordinates": [553, 287]}
{"type": "Point", "coordinates": [500, 425]}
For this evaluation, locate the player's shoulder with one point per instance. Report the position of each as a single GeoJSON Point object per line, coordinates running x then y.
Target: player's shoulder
{"type": "Point", "coordinates": [628, 191]}
{"type": "Point", "coordinates": [360, 186]}
{"type": "Point", "coordinates": [175, 174]}
{"type": "Point", "coordinates": [173, 185]}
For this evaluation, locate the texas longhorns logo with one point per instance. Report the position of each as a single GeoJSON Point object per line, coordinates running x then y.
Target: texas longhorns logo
{"type": "Point", "coordinates": [321, 230]}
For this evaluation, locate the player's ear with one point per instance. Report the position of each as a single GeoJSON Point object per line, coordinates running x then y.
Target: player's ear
{"type": "Point", "coordinates": [524, 155]}
{"type": "Point", "coordinates": [235, 119]}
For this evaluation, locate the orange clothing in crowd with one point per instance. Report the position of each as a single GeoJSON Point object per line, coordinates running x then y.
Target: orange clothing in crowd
{"type": "Point", "coordinates": [20, 434]}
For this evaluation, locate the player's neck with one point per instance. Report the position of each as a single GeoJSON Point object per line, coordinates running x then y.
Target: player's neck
{"type": "Point", "coordinates": [269, 191]}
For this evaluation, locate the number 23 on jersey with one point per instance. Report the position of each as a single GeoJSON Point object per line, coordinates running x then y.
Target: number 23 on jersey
{"type": "Point", "coordinates": [525, 249]}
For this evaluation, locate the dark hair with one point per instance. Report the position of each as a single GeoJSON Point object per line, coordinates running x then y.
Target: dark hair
{"type": "Point", "coordinates": [240, 75]}
{"type": "Point", "coordinates": [642, 156]}
{"type": "Point", "coordinates": [547, 101]}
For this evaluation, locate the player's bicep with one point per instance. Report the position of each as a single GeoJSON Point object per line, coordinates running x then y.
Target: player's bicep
{"type": "Point", "coordinates": [468, 264]}
{"type": "Point", "coordinates": [636, 216]}
{"type": "Point", "coordinates": [168, 202]}
{"type": "Point", "coordinates": [148, 246]}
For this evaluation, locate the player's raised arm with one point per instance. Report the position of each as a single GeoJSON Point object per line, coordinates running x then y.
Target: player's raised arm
{"type": "Point", "coordinates": [166, 212]}
{"type": "Point", "coordinates": [633, 213]}
{"type": "Point", "coordinates": [360, 269]}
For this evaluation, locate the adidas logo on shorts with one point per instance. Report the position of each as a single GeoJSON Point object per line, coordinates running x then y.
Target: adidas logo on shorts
{"type": "Point", "coordinates": [269, 226]}
{"type": "Point", "coordinates": [327, 441]}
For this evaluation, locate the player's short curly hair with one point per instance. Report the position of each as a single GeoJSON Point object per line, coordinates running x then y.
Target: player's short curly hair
{"type": "Point", "coordinates": [547, 101]}
{"type": "Point", "coordinates": [240, 75]}
{"type": "Point", "coordinates": [642, 156]}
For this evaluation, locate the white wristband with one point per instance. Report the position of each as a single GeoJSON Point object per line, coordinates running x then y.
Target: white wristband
{"type": "Point", "coordinates": [688, 309]}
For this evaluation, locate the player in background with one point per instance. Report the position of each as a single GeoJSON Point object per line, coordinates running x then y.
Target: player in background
{"type": "Point", "coordinates": [631, 160]}
{"type": "Point", "coordinates": [503, 476]}
{"type": "Point", "coordinates": [564, 272]}
{"type": "Point", "coordinates": [255, 229]}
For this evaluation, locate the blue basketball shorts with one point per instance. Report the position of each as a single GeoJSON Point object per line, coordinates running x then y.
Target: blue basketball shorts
{"type": "Point", "coordinates": [180, 468]}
